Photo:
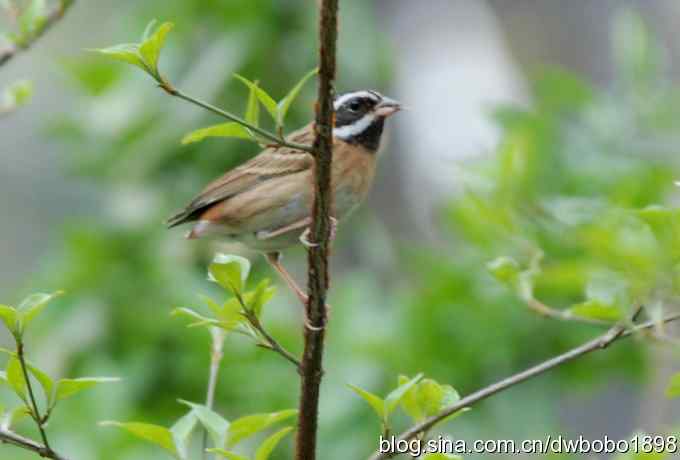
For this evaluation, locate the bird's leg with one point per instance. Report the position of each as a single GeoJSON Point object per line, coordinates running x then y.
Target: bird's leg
{"type": "Point", "coordinates": [304, 238]}
{"type": "Point", "coordinates": [274, 258]}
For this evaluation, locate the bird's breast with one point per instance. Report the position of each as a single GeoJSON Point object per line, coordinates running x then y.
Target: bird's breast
{"type": "Point", "coordinates": [353, 172]}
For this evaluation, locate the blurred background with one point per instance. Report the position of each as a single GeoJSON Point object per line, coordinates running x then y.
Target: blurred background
{"type": "Point", "coordinates": [534, 127]}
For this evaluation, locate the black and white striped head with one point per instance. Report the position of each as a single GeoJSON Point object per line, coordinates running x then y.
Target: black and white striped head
{"type": "Point", "coordinates": [360, 117]}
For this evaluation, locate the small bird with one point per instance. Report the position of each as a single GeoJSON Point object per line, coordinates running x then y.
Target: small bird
{"type": "Point", "coordinates": [266, 203]}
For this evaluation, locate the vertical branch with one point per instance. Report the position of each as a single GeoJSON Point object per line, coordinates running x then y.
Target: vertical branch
{"type": "Point", "coordinates": [311, 368]}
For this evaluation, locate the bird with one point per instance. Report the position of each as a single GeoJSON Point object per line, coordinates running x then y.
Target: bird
{"type": "Point", "coordinates": [266, 203]}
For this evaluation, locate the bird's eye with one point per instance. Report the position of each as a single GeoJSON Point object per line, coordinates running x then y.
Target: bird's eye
{"type": "Point", "coordinates": [354, 106]}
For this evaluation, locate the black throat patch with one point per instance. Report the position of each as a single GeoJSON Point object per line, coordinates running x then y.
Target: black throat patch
{"type": "Point", "coordinates": [370, 137]}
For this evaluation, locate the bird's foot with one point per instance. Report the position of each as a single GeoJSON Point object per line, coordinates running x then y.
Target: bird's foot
{"type": "Point", "coordinates": [306, 242]}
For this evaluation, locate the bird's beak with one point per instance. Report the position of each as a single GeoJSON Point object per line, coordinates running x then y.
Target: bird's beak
{"type": "Point", "coordinates": [387, 107]}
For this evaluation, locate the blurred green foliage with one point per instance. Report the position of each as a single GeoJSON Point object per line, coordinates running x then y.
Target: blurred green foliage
{"type": "Point", "coordinates": [580, 182]}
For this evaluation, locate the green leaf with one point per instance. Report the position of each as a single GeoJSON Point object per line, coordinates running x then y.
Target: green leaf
{"type": "Point", "coordinates": [15, 377]}
{"type": "Point", "coordinates": [374, 401]}
{"type": "Point", "coordinates": [199, 320]}
{"type": "Point", "coordinates": [673, 388]}
{"type": "Point", "coordinates": [226, 454]}
{"type": "Point", "coordinates": [249, 425]}
{"type": "Point", "coordinates": [596, 309]}
{"type": "Point", "coordinates": [33, 305]}
{"type": "Point", "coordinates": [11, 418]}
{"type": "Point", "coordinates": [609, 288]}
{"type": "Point", "coordinates": [285, 103]}
{"type": "Point", "coordinates": [228, 314]}
{"type": "Point", "coordinates": [229, 129]}
{"type": "Point", "coordinates": [127, 52]}
{"type": "Point", "coordinates": [394, 398]}
{"type": "Point", "coordinates": [265, 99]}
{"type": "Point", "coordinates": [230, 272]}
{"type": "Point", "coordinates": [181, 431]}
{"type": "Point", "coordinates": [263, 294]}
{"type": "Point", "coordinates": [269, 444]}
{"type": "Point", "coordinates": [150, 49]}
{"type": "Point", "coordinates": [252, 114]}
{"type": "Point", "coordinates": [32, 19]}
{"type": "Point", "coordinates": [216, 425]}
{"type": "Point", "coordinates": [45, 381]}
{"type": "Point", "coordinates": [69, 387]}
{"type": "Point", "coordinates": [8, 315]}
{"type": "Point", "coordinates": [427, 398]}
{"type": "Point", "coordinates": [148, 30]}
{"type": "Point", "coordinates": [155, 434]}
{"type": "Point", "coordinates": [17, 94]}
{"type": "Point", "coordinates": [504, 269]}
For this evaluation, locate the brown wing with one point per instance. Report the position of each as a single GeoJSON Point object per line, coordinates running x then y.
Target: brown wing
{"type": "Point", "coordinates": [271, 162]}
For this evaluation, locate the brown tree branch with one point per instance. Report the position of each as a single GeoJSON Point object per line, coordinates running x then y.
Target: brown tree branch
{"type": "Point", "coordinates": [603, 341]}
{"type": "Point", "coordinates": [9, 437]}
{"type": "Point", "coordinates": [311, 369]}
{"type": "Point", "coordinates": [52, 18]}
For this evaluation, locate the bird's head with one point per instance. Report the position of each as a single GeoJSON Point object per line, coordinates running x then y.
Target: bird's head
{"type": "Point", "coordinates": [360, 116]}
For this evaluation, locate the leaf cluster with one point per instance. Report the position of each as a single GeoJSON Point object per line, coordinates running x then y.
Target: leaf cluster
{"type": "Point", "coordinates": [242, 307]}
{"type": "Point", "coordinates": [226, 435]}
{"type": "Point", "coordinates": [419, 398]}
{"type": "Point", "coordinates": [20, 373]}
{"type": "Point", "coordinates": [145, 55]}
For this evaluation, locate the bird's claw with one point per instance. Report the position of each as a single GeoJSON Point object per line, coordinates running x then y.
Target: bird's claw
{"type": "Point", "coordinates": [304, 239]}
{"type": "Point", "coordinates": [310, 327]}
{"type": "Point", "coordinates": [306, 242]}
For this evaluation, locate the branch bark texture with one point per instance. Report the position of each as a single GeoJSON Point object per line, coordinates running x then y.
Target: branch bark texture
{"type": "Point", "coordinates": [603, 341]}
{"type": "Point", "coordinates": [311, 368]}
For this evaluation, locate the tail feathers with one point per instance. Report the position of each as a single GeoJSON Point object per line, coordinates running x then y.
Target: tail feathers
{"type": "Point", "coordinates": [201, 228]}
{"type": "Point", "coordinates": [178, 219]}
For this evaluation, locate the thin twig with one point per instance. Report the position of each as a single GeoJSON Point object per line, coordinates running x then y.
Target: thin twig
{"type": "Point", "coordinates": [35, 412]}
{"type": "Point", "coordinates": [270, 343]}
{"type": "Point", "coordinates": [52, 18]}
{"type": "Point", "coordinates": [566, 315]}
{"type": "Point", "coordinates": [278, 141]}
{"type": "Point", "coordinates": [563, 315]}
{"type": "Point", "coordinates": [10, 437]}
{"type": "Point", "coordinates": [316, 312]}
{"type": "Point", "coordinates": [603, 341]}
{"type": "Point", "coordinates": [216, 354]}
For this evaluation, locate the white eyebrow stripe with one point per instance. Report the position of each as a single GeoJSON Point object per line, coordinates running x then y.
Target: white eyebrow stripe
{"type": "Point", "coordinates": [354, 129]}
{"type": "Point", "coordinates": [345, 97]}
